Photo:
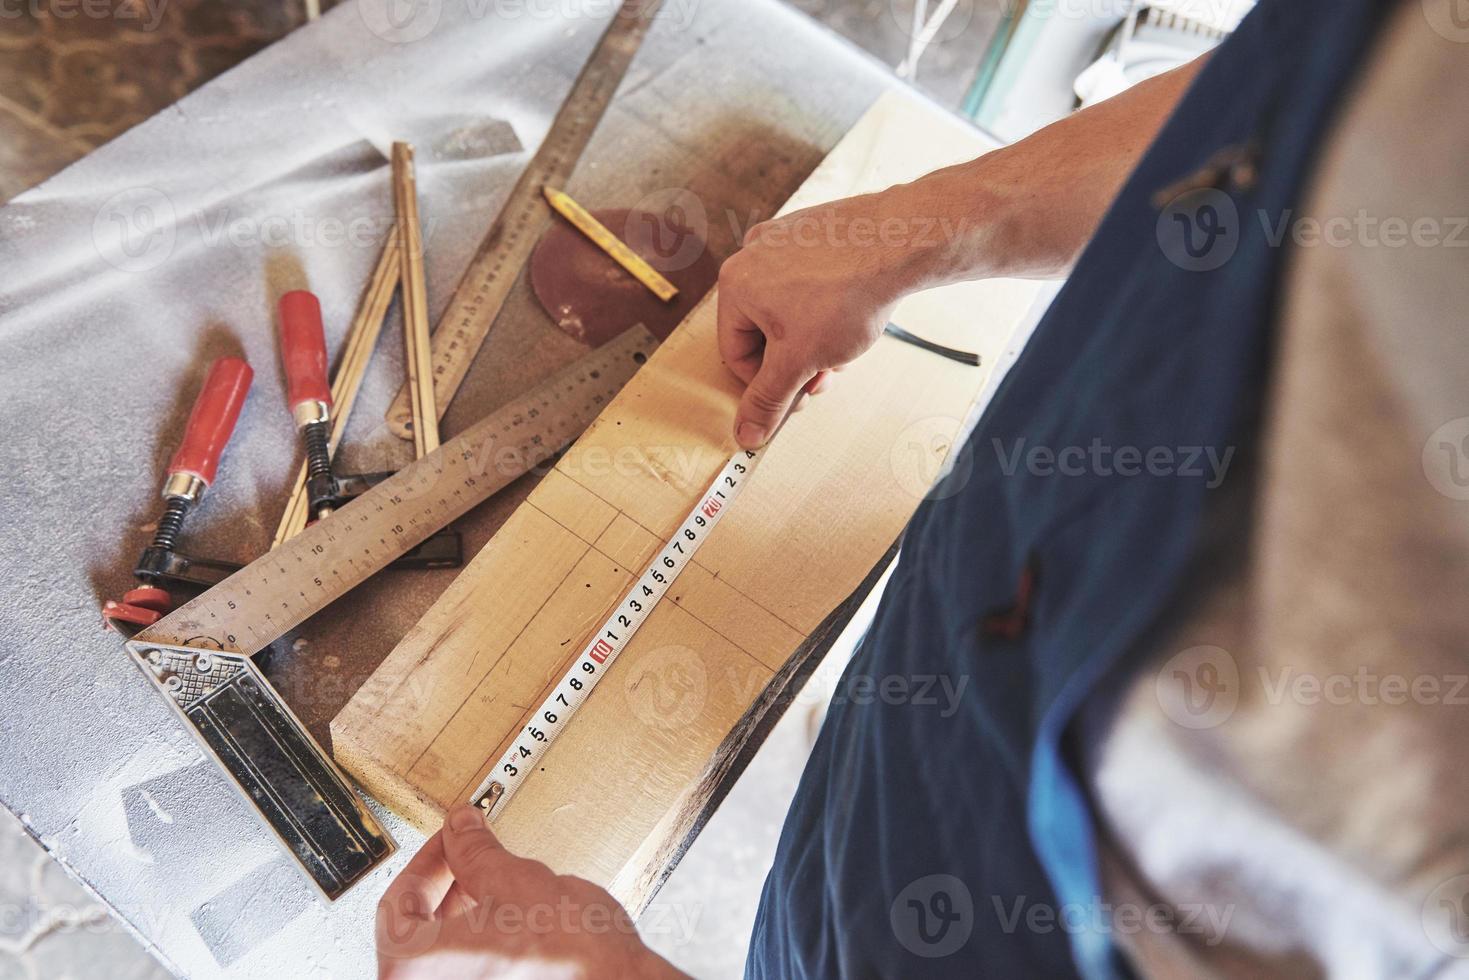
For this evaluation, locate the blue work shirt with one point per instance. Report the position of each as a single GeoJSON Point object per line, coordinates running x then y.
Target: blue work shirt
{"type": "Point", "coordinates": [952, 837]}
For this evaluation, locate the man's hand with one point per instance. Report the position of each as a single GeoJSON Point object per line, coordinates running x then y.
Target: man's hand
{"type": "Point", "coordinates": [798, 301]}
{"type": "Point", "coordinates": [466, 907]}
{"type": "Point", "coordinates": [812, 291]}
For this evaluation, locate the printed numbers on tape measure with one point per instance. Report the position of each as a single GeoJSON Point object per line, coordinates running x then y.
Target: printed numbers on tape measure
{"type": "Point", "coordinates": [576, 685]}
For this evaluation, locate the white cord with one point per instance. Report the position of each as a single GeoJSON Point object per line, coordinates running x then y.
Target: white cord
{"type": "Point", "coordinates": [923, 34]}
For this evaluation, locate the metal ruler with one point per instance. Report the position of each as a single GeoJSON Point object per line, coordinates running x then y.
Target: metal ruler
{"type": "Point", "coordinates": [287, 586]}
{"type": "Point", "coordinates": [482, 291]}
{"type": "Point", "coordinates": [550, 719]}
{"type": "Point", "coordinates": [199, 657]}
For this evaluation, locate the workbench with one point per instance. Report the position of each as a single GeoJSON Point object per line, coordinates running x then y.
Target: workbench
{"type": "Point", "coordinates": [127, 273]}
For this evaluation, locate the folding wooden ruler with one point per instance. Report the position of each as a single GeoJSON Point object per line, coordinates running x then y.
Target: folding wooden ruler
{"type": "Point", "coordinates": [199, 657]}
{"type": "Point", "coordinates": [507, 246]}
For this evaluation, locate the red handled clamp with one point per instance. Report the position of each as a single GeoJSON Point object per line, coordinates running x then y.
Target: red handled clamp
{"type": "Point", "coordinates": [190, 472]}
{"type": "Point", "coordinates": [309, 394]}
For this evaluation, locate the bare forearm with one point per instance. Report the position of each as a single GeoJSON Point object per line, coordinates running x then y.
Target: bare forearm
{"type": "Point", "coordinates": [808, 294]}
{"type": "Point", "coordinates": [1028, 209]}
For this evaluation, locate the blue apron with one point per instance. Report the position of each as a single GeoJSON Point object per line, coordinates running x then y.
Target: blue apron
{"type": "Point", "coordinates": [940, 828]}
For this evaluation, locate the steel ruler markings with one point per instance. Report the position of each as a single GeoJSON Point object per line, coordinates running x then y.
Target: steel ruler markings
{"type": "Point", "coordinates": [496, 265]}
{"type": "Point", "coordinates": [550, 719]}
{"type": "Point", "coordinates": [287, 586]}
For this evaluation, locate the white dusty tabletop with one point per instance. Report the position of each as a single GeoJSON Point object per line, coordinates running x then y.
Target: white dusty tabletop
{"type": "Point", "coordinates": [126, 274]}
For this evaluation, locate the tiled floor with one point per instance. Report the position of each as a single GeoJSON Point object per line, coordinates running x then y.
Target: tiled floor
{"type": "Point", "coordinates": [70, 81]}
{"type": "Point", "coordinates": [72, 76]}
{"type": "Point", "coordinates": [51, 928]}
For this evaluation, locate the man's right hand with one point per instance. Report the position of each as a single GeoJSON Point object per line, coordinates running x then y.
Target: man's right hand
{"type": "Point", "coordinates": [797, 302]}
{"type": "Point", "coordinates": [812, 291]}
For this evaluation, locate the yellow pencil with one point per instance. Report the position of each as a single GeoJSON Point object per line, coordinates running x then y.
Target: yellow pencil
{"type": "Point", "coordinates": [610, 243]}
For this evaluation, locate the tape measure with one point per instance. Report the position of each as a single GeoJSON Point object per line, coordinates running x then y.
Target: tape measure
{"type": "Point", "coordinates": [550, 719]}
{"type": "Point", "coordinates": [287, 586]}
{"type": "Point", "coordinates": [492, 272]}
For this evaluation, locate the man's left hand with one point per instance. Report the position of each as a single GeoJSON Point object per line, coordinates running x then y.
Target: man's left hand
{"type": "Point", "coordinates": [466, 907]}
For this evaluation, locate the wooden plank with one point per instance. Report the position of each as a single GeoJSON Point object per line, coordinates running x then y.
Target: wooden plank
{"type": "Point", "coordinates": [631, 779]}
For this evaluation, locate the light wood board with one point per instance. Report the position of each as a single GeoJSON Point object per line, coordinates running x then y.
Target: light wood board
{"type": "Point", "coordinates": [637, 771]}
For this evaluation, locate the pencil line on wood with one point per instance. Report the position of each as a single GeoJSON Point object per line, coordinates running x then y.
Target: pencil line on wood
{"type": "Point", "coordinates": [692, 561]}
{"type": "Point", "coordinates": [528, 623]}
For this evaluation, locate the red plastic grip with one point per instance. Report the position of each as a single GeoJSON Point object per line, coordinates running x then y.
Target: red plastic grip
{"type": "Point", "coordinates": [213, 419]}
{"type": "Point", "coordinates": [303, 349]}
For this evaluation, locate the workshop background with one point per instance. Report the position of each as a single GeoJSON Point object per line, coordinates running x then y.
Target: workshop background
{"type": "Point", "coordinates": [70, 84]}
{"type": "Point", "coordinates": [70, 81]}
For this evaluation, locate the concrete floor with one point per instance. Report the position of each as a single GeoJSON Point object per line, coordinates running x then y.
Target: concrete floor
{"type": "Point", "coordinates": [51, 928]}
{"type": "Point", "coordinates": [67, 85]}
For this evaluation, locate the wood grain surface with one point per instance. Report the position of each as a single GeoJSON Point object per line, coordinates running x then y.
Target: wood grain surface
{"type": "Point", "coordinates": [633, 776]}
